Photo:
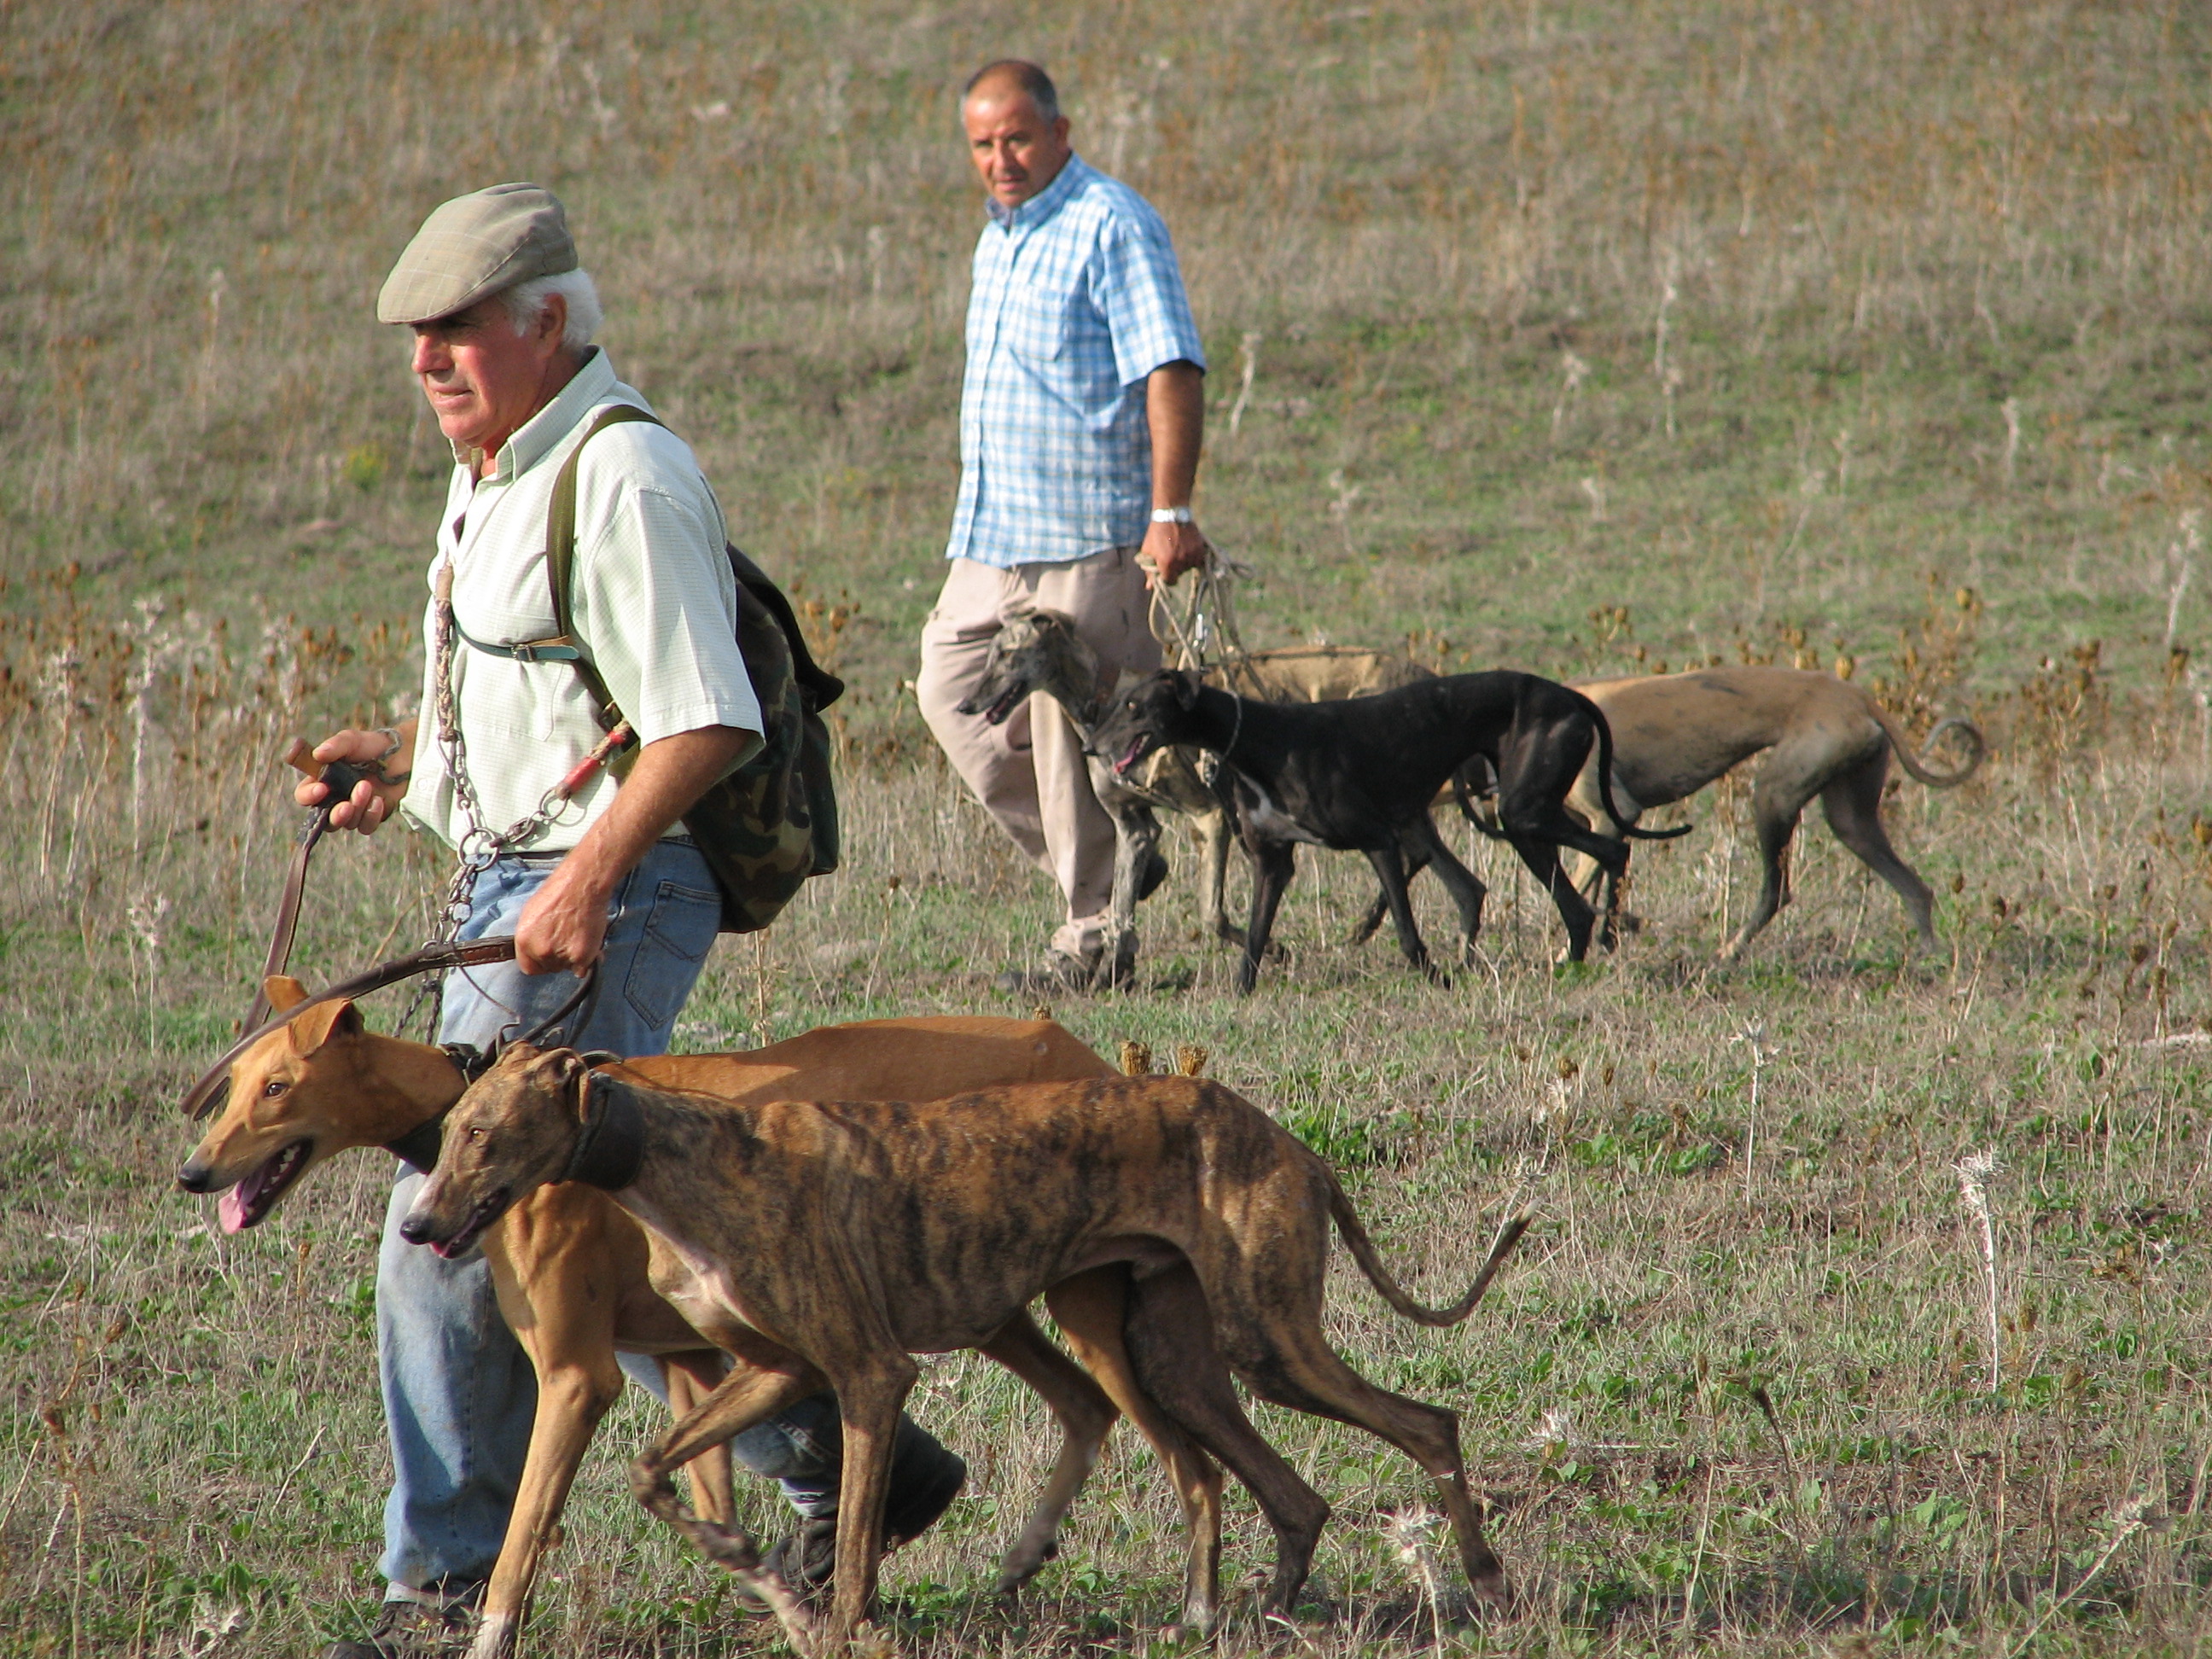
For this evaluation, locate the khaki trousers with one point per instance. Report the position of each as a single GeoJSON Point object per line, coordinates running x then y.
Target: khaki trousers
{"type": "Point", "coordinates": [1029, 772]}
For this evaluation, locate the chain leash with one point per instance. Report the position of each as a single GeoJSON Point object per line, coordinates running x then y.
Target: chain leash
{"type": "Point", "coordinates": [481, 847]}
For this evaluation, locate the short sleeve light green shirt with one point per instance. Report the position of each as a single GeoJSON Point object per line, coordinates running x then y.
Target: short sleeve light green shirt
{"type": "Point", "coordinates": [654, 607]}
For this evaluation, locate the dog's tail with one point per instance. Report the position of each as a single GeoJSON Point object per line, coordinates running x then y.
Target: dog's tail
{"type": "Point", "coordinates": [1605, 782]}
{"type": "Point", "coordinates": [1370, 1263]}
{"type": "Point", "coordinates": [1467, 810]}
{"type": "Point", "coordinates": [1910, 761]}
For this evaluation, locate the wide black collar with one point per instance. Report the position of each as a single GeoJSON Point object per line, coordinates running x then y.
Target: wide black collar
{"type": "Point", "coordinates": [612, 1148]}
{"type": "Point", "coordinates": [419, 1146]}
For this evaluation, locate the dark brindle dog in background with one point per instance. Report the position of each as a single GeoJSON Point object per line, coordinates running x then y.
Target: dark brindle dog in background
{"type": "Point", "coordinates": [1360, 776]}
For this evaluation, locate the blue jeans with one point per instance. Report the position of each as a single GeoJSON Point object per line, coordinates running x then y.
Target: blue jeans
{"type": "Point", "coordinates": [459, 1394]}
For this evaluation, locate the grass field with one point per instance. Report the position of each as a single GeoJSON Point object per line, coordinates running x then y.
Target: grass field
{"type": "Point", "coordinates": [1579, 337]}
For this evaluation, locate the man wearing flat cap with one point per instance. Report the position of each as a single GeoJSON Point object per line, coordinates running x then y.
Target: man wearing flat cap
{"type": "Point", "coordinates": [502, 319]}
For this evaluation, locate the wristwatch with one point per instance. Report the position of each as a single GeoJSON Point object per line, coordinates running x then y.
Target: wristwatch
{"type": "Point", "coordinates": [1171, 515]}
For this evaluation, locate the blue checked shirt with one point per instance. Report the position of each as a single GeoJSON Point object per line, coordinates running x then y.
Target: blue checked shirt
{"type": "Point", "coordinates": [1077, 298]}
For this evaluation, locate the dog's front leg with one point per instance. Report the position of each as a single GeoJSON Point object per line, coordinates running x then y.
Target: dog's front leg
{"type": "Point", "coordinates": [1136, 842]}
{"type": "Point", "coordinates": [1212, 896]}
{"type": "Point", "coordinates": [1390, 871]}
{"type": "Point", "coordinates": [1466, 891]}
{"type": "Point", "coordinates": [869, 1398]}
{"type": "Point", "coordinates": [1273, 863]}
{"type": "Point", "coordinates": [574, 1391]}
{"type": "Point", "coordinates": [750, 1393]}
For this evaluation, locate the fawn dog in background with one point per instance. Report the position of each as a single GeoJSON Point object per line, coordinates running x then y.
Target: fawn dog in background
{"type": "Point", "coordinates": [822, 1242]}
{"type": "Point", "coordinates": [1675, 733]}
{"type": "Point", "coordinates": [570, 1267]}
{"type": "Point", "coordinates": [1039, 652]}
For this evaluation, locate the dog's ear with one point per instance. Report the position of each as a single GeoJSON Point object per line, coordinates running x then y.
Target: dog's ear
{"type": "Point", "coordinates": [1186, 682]}
{"type": "Point", "coordinates": [283, 992]}
{"type": "Point", "coordinates": [323, 1022]}
{"type": "Point", "coordinates": [572, 1076]}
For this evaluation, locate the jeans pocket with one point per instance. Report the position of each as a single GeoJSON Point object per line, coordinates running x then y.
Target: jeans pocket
{"type": "Point", "coordinates": [678, 933]}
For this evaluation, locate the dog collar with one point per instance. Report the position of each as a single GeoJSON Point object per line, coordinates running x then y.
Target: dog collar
{"type": "Point", "coordinates": [611, 1149]}
{"type": "Point", "coordinates": [419, 1146]}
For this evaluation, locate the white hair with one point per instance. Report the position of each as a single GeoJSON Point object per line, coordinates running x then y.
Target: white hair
{"type": "Point", "coordinates": [526, 304]}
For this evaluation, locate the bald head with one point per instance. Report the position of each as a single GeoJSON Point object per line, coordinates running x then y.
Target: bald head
{"type": "Point", "coordinates": [1016, 136]}
{"type": "Point", "coordinates": [1016, 74]}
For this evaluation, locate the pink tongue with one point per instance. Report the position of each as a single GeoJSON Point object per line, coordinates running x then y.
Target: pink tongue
{"type": "Point", "coordinates": [230, 1211]}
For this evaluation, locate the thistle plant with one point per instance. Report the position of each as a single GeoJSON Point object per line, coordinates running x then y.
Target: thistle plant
{"type": "Point", "coordinates": [1409, 1532]}
{"type": "Point", "coordinates": [1753, 1036]}
{"type": "Point", "coordinates": [1575, 370]}
{"type": "Point", "coordinates": [1248, 362]}
{"type": "Point", "coordinates": [1975, 1172]}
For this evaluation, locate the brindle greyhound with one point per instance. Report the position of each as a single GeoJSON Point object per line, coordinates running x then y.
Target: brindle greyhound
{"type": "Point", "coordinates": [1675, 733]}
{"type": "Point", "coordinates": [570, 1267]}
{"type": "Point", "coordinates": [1361, 774]}
{"type": "Point", "coordinates": [816, 1241]}
{"type": "Point", "coordinates": [1039, 651]}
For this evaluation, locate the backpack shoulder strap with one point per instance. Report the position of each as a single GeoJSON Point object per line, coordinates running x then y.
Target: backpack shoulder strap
{"type": "Point", "coordinates": [560, 547]}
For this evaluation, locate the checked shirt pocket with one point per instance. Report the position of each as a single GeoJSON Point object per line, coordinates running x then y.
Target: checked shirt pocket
{"type": "Point", "coordinates": [1040, 324]}
{"type": "Point", "coordinates": [678, 933]}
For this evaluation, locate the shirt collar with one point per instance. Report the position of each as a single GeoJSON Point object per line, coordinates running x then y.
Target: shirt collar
{"type": "Point", "coordinates": [587, 387]}
{"type": "Point", "coordinates": [1046, 203]}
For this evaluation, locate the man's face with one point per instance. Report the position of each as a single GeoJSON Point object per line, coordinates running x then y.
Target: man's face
{"type": "Point", "coordinates": [484, 380]}
{"type": "Point", "coordinates": [1017, 151]}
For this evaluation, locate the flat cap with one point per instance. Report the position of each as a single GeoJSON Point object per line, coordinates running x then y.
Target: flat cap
{"type": "Point", "coordinates": [475, 245]}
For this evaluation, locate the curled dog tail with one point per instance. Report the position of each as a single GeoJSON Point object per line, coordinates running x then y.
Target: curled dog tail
{"type": "Point", "coordinates": [1605, 779]}
{"type": "Point", "coordinates": [1370, 1263]}
{"type": "Point", "coordinates": [1912, 763]}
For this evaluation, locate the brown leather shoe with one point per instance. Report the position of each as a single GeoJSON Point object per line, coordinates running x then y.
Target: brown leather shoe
{"type": "Point", "coordinates": [1061, 975]}
{"type": "Point", "coordinates": [412, 1630]}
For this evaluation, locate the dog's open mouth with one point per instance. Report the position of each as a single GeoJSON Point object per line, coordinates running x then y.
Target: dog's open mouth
{"type": "Point", "coordinates": [1005, 703]}
{"type": "Point", "coordinates": [488, 1209]}
{"type": "Point", "coordinates": [249, 1201]}
{"type": "Point", "coordinates": [1140, 746]}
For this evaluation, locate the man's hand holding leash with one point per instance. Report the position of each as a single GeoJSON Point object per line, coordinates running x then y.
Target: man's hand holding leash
{"type": "Point", "coordinates": [389, 749]}
{"type": "Point", "coordinates": [1174, 411]}
{"type": "Point", "coordinates": [565, 922]}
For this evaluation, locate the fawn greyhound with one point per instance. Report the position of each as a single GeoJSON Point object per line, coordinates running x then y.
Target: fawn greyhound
{"type": "Point", "coordinates": [571, 1268]}
{"type": "Point", "coordinates": [1039, 651]}
{"type": "Point", "coordinates": [816, 1240]}
{"type": "Point", "coordinates": [1675, 733]}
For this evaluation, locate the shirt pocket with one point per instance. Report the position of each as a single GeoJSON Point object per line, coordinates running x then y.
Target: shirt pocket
{"type": "Point", "coordinates": [1040, 321]}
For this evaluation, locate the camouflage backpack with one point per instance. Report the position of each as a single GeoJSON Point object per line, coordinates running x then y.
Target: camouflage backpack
{"type": "Point", "coordinates": [772, 824]}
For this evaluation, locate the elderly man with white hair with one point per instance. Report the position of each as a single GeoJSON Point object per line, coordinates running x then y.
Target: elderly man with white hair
{"type": "Point", "coordinates": [502, 319]}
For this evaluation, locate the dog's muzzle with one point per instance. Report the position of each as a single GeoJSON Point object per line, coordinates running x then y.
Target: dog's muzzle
{"type": "Point", "coordinates": [420, 1229]}
{"type": "Point", "coordinates": [999, 709]}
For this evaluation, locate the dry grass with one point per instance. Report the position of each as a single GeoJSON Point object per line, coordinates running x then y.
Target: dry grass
{"type": "Point", "coordinates": [1738, 1404]}
{"type": "Point", "coordinates": [1937, 278]}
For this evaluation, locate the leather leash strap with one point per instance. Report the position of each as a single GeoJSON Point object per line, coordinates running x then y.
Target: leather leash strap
{"type": "Point", "coordinates": [208, 1092]}
{"type": "Point", "coordinates": [341, 776]}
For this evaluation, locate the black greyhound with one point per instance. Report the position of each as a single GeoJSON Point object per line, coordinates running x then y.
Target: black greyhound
{"type": "Point", "coordinates": [1360, 775]}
